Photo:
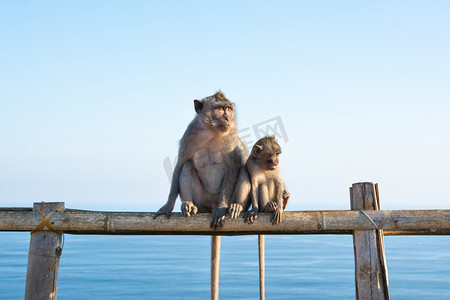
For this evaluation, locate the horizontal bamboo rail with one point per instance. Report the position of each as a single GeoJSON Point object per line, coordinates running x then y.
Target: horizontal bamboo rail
{"type": "Point", "coordinates": [395, 222]}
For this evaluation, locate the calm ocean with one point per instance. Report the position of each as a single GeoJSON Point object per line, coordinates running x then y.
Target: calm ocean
{"type": "Point", "coordinates": [177, 267]}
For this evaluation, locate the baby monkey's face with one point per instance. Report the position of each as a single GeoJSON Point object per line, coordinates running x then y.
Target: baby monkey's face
{"type": "Point", "coordinates": [265, 153]}
{"type": "Point", "coordinates": [269, 158]}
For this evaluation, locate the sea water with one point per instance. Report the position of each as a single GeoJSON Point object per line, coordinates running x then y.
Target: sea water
{"type": "Point", "coordinates": [178, 267]}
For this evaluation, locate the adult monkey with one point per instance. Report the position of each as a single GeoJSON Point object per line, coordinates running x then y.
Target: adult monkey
{"type": "Point", "coordinates": [209, 158]}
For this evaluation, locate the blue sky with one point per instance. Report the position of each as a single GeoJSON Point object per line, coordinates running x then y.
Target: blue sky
{"type": "Point", "coordinates": [94, 96]}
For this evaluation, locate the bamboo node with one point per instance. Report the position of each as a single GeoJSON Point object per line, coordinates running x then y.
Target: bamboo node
{"type": "Point", "coordinates": [385, 219]}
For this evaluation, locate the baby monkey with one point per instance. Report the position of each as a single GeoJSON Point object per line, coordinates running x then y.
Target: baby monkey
{"type": "Point", "coordinates": [260, 184]}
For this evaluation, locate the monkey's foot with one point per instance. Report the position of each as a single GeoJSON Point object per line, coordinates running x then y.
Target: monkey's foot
{"type": "Point", "coordinates": [165, 210]}
{"type": "Point", "coordinates": [235, 210]}
{"type": "Point", "coordinates": [277, 217]}
{"type": "Point", "coordinates": [270, 207]}
{"type": "Point", "coordinates": [218, 217]}
{"type": "Point", "coordinates": [188, 208]}
{"type": "Point", "coordinates": [251, 216]}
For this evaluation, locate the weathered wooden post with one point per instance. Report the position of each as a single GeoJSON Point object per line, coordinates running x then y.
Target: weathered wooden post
{"type": "Point", "coordinates": [43, 256]}
{"type": "Point", "coordinates": [215, 261]}
{"type": "Point", "coordinates": [371, 278]}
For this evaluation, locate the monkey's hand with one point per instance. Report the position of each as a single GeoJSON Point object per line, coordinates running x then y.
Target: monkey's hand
{"type": "Point", "coordinates": [218, 217]}
{"type": "Point", "coordinates": [277, 216]}
{"type": "Point", "coordinates": [165, 210]}
{"type": "Point", "coordinates": [251, 215]}
{"type": "Point", "coordinates": [270, 207]}
{"type": "Point", "coordinates": [235, 210]}
{"type": "Point", "coordinates": [188, 208]}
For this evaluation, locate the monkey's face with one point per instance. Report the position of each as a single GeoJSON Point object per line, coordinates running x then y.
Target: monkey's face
{"type": "Point", "coordinates": [269, 159]}
{"type": "Point", "coordinates": [217, 113]}
{"type": "Point", "coordinates": [266, 152]}
{"type": "Point", "coordinates": [223, 116]}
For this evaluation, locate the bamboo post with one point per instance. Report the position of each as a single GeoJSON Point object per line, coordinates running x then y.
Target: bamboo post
{"type": "Point", "coordinates": [215, 260]}
{"type": "Point", "coordinates": [371, 281]}
{"type": "Point", "coordinates": [43, 257]}
{"type": "Point", "coordinates": [262, 267]}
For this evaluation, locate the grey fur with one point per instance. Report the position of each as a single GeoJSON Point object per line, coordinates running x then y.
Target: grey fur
{"type": "Point", "coordinates": [209, 159]}
{"type": "Point", "coordinates": [260, 184]}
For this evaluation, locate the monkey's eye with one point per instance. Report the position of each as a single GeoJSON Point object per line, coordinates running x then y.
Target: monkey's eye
{"type": "Point", "coordinates": [219, 109]}
{"type": "Point", "coordinates": [228, 109]}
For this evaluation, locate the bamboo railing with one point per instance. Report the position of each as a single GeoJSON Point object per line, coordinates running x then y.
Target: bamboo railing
{"type": "Point", "coordinates": [366, 222]}
{"type": "Point", "coordinates": [71, 221]}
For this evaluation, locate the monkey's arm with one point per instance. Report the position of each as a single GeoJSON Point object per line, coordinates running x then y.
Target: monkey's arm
{"type": "Point", "coordinates": [277, 214]}
{"type": "Point", "coordinates": [252, 214]}
{"type": "Point", "coordinates": [226, 192]}
{"type": "Point", "coordinates": [242, 194]}
{"type": "Point", "coordinates": [167, 208]}
{"type": "Point", "coordinates": [235, 160]}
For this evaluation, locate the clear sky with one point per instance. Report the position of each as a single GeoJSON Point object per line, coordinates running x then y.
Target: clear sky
{"type": "Point", "coordinates": [94, 96]}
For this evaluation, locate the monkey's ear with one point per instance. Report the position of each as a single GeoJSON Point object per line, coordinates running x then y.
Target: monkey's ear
{"type": "Point", "coordinates": [256, 150]}
{"type": "Point", "coordinates": [198, 106]}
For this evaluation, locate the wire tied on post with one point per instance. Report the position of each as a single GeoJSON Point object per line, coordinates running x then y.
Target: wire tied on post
{"type": "Point", "coordinates": [46, 220]}
{"type": "Point", "coordinates": [57, 257]}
